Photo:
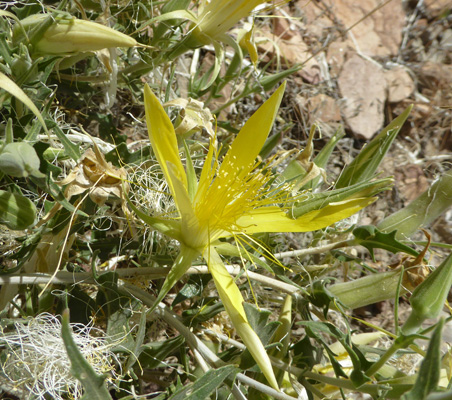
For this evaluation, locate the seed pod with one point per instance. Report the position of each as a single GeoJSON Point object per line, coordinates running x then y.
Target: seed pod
{"type": "Point", "coordinates": [428, 299]}
{"type": "Point", "coordinates": [68, 35]}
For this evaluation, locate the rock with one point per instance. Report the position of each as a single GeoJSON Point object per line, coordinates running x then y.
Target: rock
{"type": "Point", "coordinates": [324, 108]}
{"type": "Point", "coordinates": [320, 108]}
{"type": "Point", "coordinates": [292, 51]}
{"type": "Point", "coordinates": [378, 34]}
{"type": "Point", "coordinates": [363, 88]}
{"type": "Point", "coordinates": [437, 7]}
{"type": "Point", "coordinates": [411, 181]}
{"type": "Point", "coordinates": [336, 55]}
{"type": "Point", "coordinates": [282, 27]}
{"type": "Point", "coordinates": [399, 82]}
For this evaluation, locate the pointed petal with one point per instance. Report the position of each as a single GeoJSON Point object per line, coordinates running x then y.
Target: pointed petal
{"type": "Point", "coordinates": [233, 303]}
{"type": "Point", "coordinates": [272, 219]}
{"type": "Point", "coordinates": [162, 137]}
{"type": "Point", "coordinates": [251, 138]}
{"type": "Point", "coordinates": [188, 221]}
{"type": "Point", "coordinates": [181, 265]}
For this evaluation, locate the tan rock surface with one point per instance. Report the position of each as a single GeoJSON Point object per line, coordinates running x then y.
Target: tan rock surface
{"type": "Point", "coordinates": [363, 88]}
{"type": "Point", "coordinates": [400, 84]}
{"type": "Point", "coordinates": [379, 34]}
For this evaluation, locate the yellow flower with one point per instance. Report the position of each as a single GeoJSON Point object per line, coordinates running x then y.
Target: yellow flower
{"type": "Point", "coordinates": [218, 16]}
{"type": "Point", "coordinates": [230, 199]}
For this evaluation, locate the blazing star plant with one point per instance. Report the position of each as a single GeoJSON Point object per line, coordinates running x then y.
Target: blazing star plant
{"type": "Point", "coordinates": [227, 201]}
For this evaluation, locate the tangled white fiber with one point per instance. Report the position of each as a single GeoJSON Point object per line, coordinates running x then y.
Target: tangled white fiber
{"type": "Point", "coordinates": [36, 363]}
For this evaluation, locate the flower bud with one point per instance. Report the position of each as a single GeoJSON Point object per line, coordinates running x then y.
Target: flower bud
{"type": "Point", "coordinates": [70, 35]}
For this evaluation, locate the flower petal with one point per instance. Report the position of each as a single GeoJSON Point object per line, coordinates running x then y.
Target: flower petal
{"type": "Point", "coordinates": [248, 143]}
{"type": "Point", "coordinates": [233, 303]}
{"type": "Point", "coordinates": [162, 137]}
{"type": "Point", "coordinates": [273, 219]}
{"type": "Point", "coordinates": [191, 234]}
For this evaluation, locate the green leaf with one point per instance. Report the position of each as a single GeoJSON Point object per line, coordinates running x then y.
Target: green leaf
{"type": "Point", "coordinates": [71, 149]}
{"type": "Point", "coordinates": [16, 211]}
{"type": "Point", "coordinates": [316, 329]}
{"type": "Point", "coordinates": [371, 238]}
{"type": "Point", "coordinates": [258, 320]}
{"type": "Point", "coordinates": [8, 85]}
{"type": "Point", "coordinates": [430, 370]}
{"type": "Point", "coordinates": [138, 343]}
{"type": "Point", "coordinates": [20, 160]}
{"type": "Point", "coordinates": [204, 386]}
{"type": "Point", "coordinates": [364, 166]}
{"type": "Point", "coordinates": [93, 384]}
{"type": "Point", "coordinates": [196, 316]}
{"type": "Point", "coordinates": [192, 288]}
{"type": "Point", "coordinates": [153, 354]}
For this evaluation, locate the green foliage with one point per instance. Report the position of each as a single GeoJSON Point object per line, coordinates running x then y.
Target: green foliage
{"type": "Point", "coordinates": [204, 386]}
{"type": "Point", "coordinates": [371, 238]}
{"type": "Point", "coordinates": [16, 211]}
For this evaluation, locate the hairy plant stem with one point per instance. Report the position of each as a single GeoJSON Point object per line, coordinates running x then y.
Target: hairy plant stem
{"type": "Point", "coordinates": [65, 277]}
{"type": "Point", "coordinates": [173, 320]}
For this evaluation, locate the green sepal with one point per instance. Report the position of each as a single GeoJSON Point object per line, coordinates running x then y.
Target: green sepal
{"type": "Point", "coordinates": [170, 228]}
{"type": "Point", "coordinates": [371, 238]}
{"type": "Point", "coordinates": [183, 262]}
{"type": "Point", "coordinates": [316, 201]}
{"type": "Point", "coordinates": [191, 174]}
{"type": "Point", "coordinates": [430, 371]}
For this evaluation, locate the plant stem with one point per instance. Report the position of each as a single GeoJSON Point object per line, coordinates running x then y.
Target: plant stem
{"type": "Point", "coordinates": [195, 343]}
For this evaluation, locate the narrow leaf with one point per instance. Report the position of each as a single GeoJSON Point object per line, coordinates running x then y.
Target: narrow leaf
{"type": "Point", "coordinates": [93, 384]}
{"type": "Point", "coordinates": [8, 85]}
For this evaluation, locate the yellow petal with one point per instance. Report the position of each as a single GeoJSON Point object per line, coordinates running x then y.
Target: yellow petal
{"type": "Point", "coordinates": [246, 147]}
{"type": "Point", "coordinates": [192, 236]}
{"type": "Point", "coordinates": [162, 137]}
{"type": "Point", "coordinates": [233, 303]}
{"type": "Point", "coordinates": [272, 219]}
